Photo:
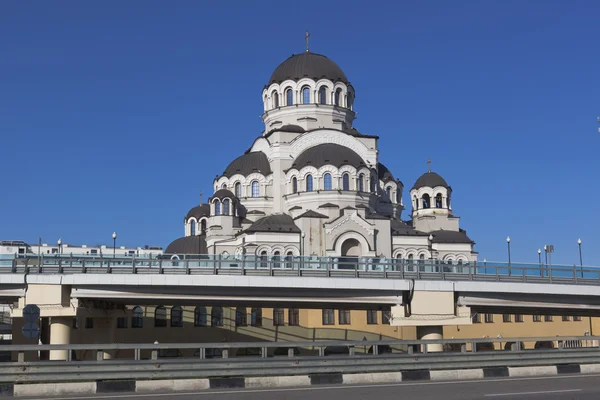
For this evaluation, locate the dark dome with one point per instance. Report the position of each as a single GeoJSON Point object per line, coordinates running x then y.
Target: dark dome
{"type": "Point", "coordinates": [274, 223]}
{"type": "Point", "coordinates": [203, 210]}
{"type": "Point", "coordinates": [328, 154]}
{"type": "Point", "coordinates": [308, 65]}
{"type": "Point", "coordinates": [384, 174]}
{"type": "Point", "coordinates": [249, 163]}
{"type": "Point", "coordinates": [188, 245]}
{"type": "Point", "coordinates": [430, 179]}
{"type": "Point", "coordinates": [223, 194]}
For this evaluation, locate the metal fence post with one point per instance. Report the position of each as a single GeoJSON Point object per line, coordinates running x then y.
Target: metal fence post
{"type": "Point", "coordinates": [291, 352]}
{"type": "Point", "coordinates": [264, 352]}
{"type": "Point", "coordinates": [137, 355]}
{"type": "Point", "coordinates": [321, 351]}
{"type": "Point", "coordinates": [21, 357]}
{"type": "Point", "coordinates": [187, 266]}
{"type": "Point", "coordinates": [155, 354]}
{"type": "Point", "coordinates": [99, 355]}
{"type": "Point", "coordinates": [351, 351]}
{"type": "Point", "coordinates": [225, 353]}
{"type": "Point", "coordinates": [202, 353]}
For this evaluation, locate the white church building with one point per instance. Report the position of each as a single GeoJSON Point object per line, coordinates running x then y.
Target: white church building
{"type": "Point", "coordinates": [311, 184]}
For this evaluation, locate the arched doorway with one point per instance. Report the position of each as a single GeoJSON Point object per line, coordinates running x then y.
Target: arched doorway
{"type": "Point", "coordinates": [351, 251]}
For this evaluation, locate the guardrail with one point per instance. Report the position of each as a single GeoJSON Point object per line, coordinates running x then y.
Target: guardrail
{"type": "Point", "coordinates": [391, 355]}
{"type": "Point", "coordinates": [302, 266]}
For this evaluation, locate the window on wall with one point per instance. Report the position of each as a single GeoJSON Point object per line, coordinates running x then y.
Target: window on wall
{"type": "Point", "coordinates": [372, 317]}
{"type": "Point", "coordinates": [278, 317]}
{"type": "Point", "coordinates": [277, 259]}
{"type": "Point", "coordinates": [361, 183]}
{"type": "Point", "coordinates": [203, 226]}
{"type": "Point", "coordinates": [160, 317]}
{"type": "Point", "coordinates": [477, 318]}
{"type": "Point", "coordinates": [293, 317]}
{"type": "Point", "coordinates": [275, 97]}
{"type": "Point", "coordinates": [350, 100]}
{"type": "Point", "coordinates": [518, 317]}
{"type": "Point", "coordinates": [305, 95]}
{"type": "Point", "coordinates": [537, 318]}
{"type": "Point", "coordinates": [327, 185]}
{"type": "Point", "coordinates": [241, 316]}
{"type": "Point", "coordinates": [547, 318]}
{"type": "Point", "coordinates": [288, 259]}
{"type": "Point", "coordinates": [328, 316]}
{"type": "Point", "coordinates": [309, 183]}
{"type": "Point", "coordinates": [255, 191]}
{"type": "Point", "coordinates": [346, 181]}
{"type": "Point", "coordinates": [216, 316]}
{"type": "Point", "coordinates": [506, 318]}
{"type": "Point", "coordinates": [137, 318]}
{"type": "Point", "coordinates": [121, 323]}
{"type": "Point", "coordinates": [577, 318]}
{"type": "Point", "coordinates": [200, 316]}
{"type": "Point", "coordinates": [322, 95]}
{"type": "Point", "coordinates": [489, 318]}
{"type": "Point", "coordinates": [89, 323]}
{"type": "Point", "coordinates": [217, 207]}
{"type": "Point", "coordinates": [566, 318]}
{"type": "Point", "coordinates": [386, 317]}
{"type": "Point", "coordinates": [256, 316]}
{"type": "Point", "coordinates": [438, 200]}
{"type": "Point", "coordinates": [294, 185]}
{"type": "Point", "coordinates": [176, 317]}
{"type": "Point", "coordinates": [263, 259]}
{"type": "Point", "coordinates": [344, 317]}
{"type": "Point", "coordinates": [238, 190]}
{"type": "Point", "coordinates": [388, 193]}
{"type": "Point", "coordinates": [226, 207]}
{"type": "Point", "coordinates": [193, 228]}
{"type": "Point", "coordinates": [289, 95]}
{"type": "Point", "coordinates": [336, 99]}
{"type": "Point", "coordinates": [415, 203]}
{"type": "Point", "coordinates": [373, 183]}
{"type": "Point", "coordinates": [426, 201]}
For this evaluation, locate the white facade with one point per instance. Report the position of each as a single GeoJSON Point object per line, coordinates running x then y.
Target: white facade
{"type": "Point", "coordinates": [12, 247]}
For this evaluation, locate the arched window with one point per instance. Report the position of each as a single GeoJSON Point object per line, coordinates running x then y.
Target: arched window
{"type": "Point", "coordinates": [422, 260]}
{"type": "Point", "coordinates": [176, 317]}
{"type": "Point", "coordinates": [238, 190]}
{"type": "Point", "coordinates": [160, 317]}
{"type": "Point", "coordinates": [277, 259]}
{"type": "Point", "coordinates": [200, 316]}
{"type": "Point", "coordinates": [327, 185]}
{"type": "Point", "coordinates": [203, 226]}
{"type": "Point", "coordinates": [438, 200]}
{"type": "Point", "coordinates": [294, 185]}
{"type": "Point", "coordinates": [263, 259]}
{"type": "Point", "coordinates": [416, 203]}
{"type": "Point", "coordinates": [137, 317]}
{"type": "Point", "coordinates": [226, 207]}
{"type": "Point", "coordinates": [305, 95]}
{"type": "Point", "coordinates": [373, 184]}
{"type": "Point", "coordinates": [288, 259]}
{"type": "Point", "coordinates": [241, 316]}
{"type": "Point", "coordinates": [193, 228]}
{"type": "Point", "coordinates": [361, 183]}
{"type": "Point", "coordinates": [224, 186]}
{"type": "Point", "coordinates": [322, 95]}
{"type": "Point", "coordinates": [216, 316]}
{"type": "Point", "coordinates": [426, 201]}
{"type": "Point", "coordinates": [388, 193]}
{"type": "Point", "coordinates": [448, 202]}
{"type": "Point", "coordinates": [217, 207]}
{"type": "Point", "coordinates": [309, 183]}
{"type": "Point", "coordinates": [346, 181]}
{"type": "Point", "coordinates": [256, 316]}
{"type": "Point", "coordinates": [275, 97]}
{"type": "Point", "coordinates": [255, 191]}
{"type": "Point", "coordinates": [410, 262]}
{"type": "Point", "coordinates": [289, 95]}
{"type": "Point", "coordinates": [336, 99]}
{"type": "Point", "coordinates": [350, 100]}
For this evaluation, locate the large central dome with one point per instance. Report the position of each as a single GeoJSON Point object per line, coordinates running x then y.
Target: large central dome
{"type": "Point", "coordinates": [308, 65]}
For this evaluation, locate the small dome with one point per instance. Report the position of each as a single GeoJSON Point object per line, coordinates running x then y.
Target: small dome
{"type": "Point", "coordinates": [223, 194]}
{"type": "Point", "coordinates": [249, 163]}
{"type": "Point", "coordinates": [430, 179]}
{"type": "Point", "coordinates": [328, 154]}
{"type": "Point", "coordinates": [188, 245]}
{"type": "Point", "coordinates": [384, 174]}
{"type": "Point", "coordinates": [308, 65]}
{"type": "Point", "coordinates": [203, 210]}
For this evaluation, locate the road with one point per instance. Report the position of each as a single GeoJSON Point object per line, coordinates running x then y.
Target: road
{"type": "Point", "coordinates": [564, 387]}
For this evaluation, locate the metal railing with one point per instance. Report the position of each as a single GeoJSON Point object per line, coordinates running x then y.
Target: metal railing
{"type": "Point", "coordinates": [202, 360]}
{"type": "Point", "coordinates": [361, 267]}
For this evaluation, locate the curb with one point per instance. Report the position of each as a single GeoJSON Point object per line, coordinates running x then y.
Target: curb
{"type": "Point", "coordinates": [192, 385]}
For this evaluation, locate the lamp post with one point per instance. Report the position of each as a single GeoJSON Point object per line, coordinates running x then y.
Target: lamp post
{"type": "Point", "coordinates": [540, 261]}
{"type": "Point", "coordinates": [60, 244]}
{"type": "Point", "coordinates": [485, 265]}
{"type": "Point", "coordinates": [431, 251]}
{"type": "Point", "coordinates": [508, 243]}
{"type": "Point", "coordinates": [114, 236]}
{"type": "Point", "coordinates": [580, 256]}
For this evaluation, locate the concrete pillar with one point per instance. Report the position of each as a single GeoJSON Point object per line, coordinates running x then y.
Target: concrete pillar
{"type": "Point", "coordinates": [60, 333]}
{"type": "Point", "coordinates": [431, 333]}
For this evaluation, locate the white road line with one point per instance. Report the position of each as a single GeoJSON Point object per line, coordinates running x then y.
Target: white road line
{"type": "Point", "coordinates": [209, 392]}
{"type": "Point", "coordinates": [532, 393]}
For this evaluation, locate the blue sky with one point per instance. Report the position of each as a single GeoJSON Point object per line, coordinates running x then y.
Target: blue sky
{"type": "Point", "coordinates": [115, 115]}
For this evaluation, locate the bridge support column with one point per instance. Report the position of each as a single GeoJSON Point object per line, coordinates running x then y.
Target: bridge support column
{"type": "Point", "coordinates": [431, 333]}
{"type": "Point", "coordinates": [60, 333]}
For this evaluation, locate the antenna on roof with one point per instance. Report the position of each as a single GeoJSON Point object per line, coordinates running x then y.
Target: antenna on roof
{"type": "Point", "coordinates": [306, 38]}
{"type": "Point", "coordinates": [429, 165]}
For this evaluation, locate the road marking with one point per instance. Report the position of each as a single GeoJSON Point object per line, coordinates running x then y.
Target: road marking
{"type": "Point", "coordinates": [533, 393]}
{"type": "Point", "coordinates": [209, 392]}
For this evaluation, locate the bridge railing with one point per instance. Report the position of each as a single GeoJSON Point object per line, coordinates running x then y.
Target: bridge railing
{"type": "Point", "coordinates": [287, 265]}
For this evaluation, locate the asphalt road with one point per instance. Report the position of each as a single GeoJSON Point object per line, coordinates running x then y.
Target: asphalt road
{"type": "Point", "coordinates": [564, 387]}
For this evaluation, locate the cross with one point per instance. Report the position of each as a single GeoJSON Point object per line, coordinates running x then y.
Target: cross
{"type": "Point", "coordinates": [306, 38]}
{"type": "Point", "coordinates": [429, 164]}
{"type": "Point", "coordinates": [200, 197]}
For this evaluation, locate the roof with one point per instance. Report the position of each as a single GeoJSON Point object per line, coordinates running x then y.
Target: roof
{"type": "Point", "coordinates": [329, 205]}
{"type": "Point", "coordinates": [384, 174]}
{"type": "Point", "coordinates": [249, 163]}
{"type": "Point", "coordinates": [311, 214]}
{"type": "Point", "coordinates": [188, 245]}
{"type": "Point", "coordinates": [451, 237]}
{"type": "Point", "coordinates": [430, 179]}
{"type": "Point", "coordinates": [223, 194]}
{"type": "Point", "coordinates": [307, 65]}
{"type": "Point", "coordinates": [328, 154]}
{"type": "Point", "coordinates": [400, 228]}
{"type": "Point", "coordinates": [202, 210]}
{"type": "Point", "coordinates": [274, 223]}
{"type": "Point", "coordinates": [295, 208]}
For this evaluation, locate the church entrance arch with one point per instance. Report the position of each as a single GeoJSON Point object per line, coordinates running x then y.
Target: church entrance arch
{"type": "Point", "coordinates": [351, 251]}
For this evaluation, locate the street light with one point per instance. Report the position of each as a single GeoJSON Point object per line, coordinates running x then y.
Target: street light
{"type": "Point", "coordinates": [580, 256]}
{"type": "Point", "coordinates": [508, 243]}
{"type": "Point", "coordinates": [60, 244]}
{"type": "Point", "coordinates": [114, 236]}
{"type": "Point", "coordinates": [540, 261]}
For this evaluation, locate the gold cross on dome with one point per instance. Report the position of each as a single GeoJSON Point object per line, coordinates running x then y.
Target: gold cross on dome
{"type": "Point", "coordinates": [200, 197]}
{"type": "Point", "coordinates": [306, 38]}
{"type": "Point", "coordinates": [429, 165]}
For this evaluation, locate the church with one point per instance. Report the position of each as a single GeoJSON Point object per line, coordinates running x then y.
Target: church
{"type": "Point", "coordinates": [312, 185]}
